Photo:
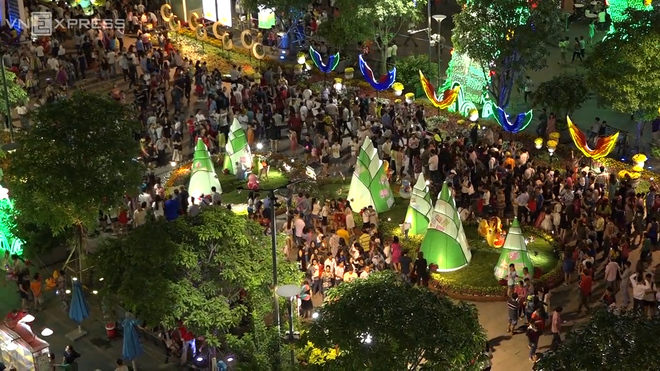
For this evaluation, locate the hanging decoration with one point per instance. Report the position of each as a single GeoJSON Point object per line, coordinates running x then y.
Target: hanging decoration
{"type": "Point", "coordinates": [385, 81]}
{"type": "Point", "coordinates": [333, 61]}
{"type": "Point", "coordinates": [604, 145]}
{"type": "Point", "coordinates": [521, 122]}
{"type": "Point", "coordinates": [449, 96]}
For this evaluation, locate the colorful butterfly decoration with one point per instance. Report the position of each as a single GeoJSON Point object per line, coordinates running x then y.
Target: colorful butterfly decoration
{"type": "Point", "coordinates": [604, 146]}
{"type": "Point", "coordinates": [448, 97]}
{"type": "Point", "coordinates": [333, 61]}
{"type": "Point", "coordinates": [521, 122]}
{"type": "Point", "coordinates": [384, 83]}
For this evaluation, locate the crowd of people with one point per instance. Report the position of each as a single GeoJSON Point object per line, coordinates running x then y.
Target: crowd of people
{"type": "Point", "coordinates": [598, 218]}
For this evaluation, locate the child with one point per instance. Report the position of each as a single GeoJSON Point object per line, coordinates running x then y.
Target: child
{"type": "Point", "coordinates": [293, 136]}
{"type": "Point", "coordinates": [37, 292]}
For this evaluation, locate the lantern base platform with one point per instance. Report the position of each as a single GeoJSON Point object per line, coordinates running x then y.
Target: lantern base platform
{"type": "Point", "coordinates": [75, 334]}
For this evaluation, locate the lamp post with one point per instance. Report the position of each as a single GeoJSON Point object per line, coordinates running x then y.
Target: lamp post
{"type": "Point", "coordinates": [273, 248]}
{"type": "Point", "coordinates": [290, 292]}
{"type": "Point", "coordinates": [439, 18]}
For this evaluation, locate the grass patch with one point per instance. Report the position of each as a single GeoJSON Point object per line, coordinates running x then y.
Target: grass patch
{"type": "Point", "coordinates": [479, 273]}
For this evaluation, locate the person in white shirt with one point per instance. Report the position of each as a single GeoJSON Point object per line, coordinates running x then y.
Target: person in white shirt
{"type": "Point", "coordinates": [298, 226]}
{"type": "Point", "coordinates": [145, 197]}
{"type": "Point", "coordinates": [215, 196]}
{"type": "Point", "coordinates": [366, 272]}
{"type": "Point", "coordinates": [53, 64]}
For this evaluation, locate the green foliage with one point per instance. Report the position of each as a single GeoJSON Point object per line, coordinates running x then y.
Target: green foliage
{"type": "Point", "coordinates": [624, 70]}
{"type": "Point", "coordinates": [562, 94]}
{"type": "Point", "coordinates": [377, 20]}
{"type": "Point", "coordinates": [409, 327]}
{"type": "Point", "coordinates": [407, 71]}
{"type": "Point", "coordinates": [213, 271]}
{"type": "Point", "coordinates": [506, 36]}
{"type": "Point", "coordinates": [341, 34]}
{"type": "Point", "coordinates": [608, 341]}
{"type": "Point", "coordinates": [17, 95]}
{"type": "Point", "coordinates": [76, 159]}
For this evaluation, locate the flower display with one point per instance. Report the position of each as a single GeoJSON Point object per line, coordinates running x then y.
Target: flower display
{"type": "Point", "coordinates": [552, 144]}
{"type": "Point", "coordinates": [398, 88]}
{"type": "Point", "coordinates": [348, 73]}
{"type": "Point", "coordinates": [555, 135]}
{"type": "Point", "coordinates": [637, 169]}
{"type": "Point", "coordinates": [623, 174]}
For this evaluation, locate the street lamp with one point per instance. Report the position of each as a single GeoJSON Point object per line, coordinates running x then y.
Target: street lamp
{"type": "Point", "coordinates": [439, 18]}
{"type": "Point", "coordinates": [290, 292]}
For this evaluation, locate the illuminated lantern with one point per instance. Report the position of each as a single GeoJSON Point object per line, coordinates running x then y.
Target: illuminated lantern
{"type": "Point", "coordinates": [639, 160]}
{"type": "Point", "coordinates": [301, 58]}
{"type": "Point", "coordinates": [473, 115]}
{"type": "Point", "coordinates": [383, 83]}
{"type": "Point", "coordinates": [448, 98]}
{"type": "Point", "coordinates": [333, 61]}
{"type": "Point", "coordinates": [604, 146]}
{"type": "Point", "coordinates": [410, 98]}
{"type": "Point", "coordinates": [552, 146]}
{"type": "Point", "coordinates": [398, 89]}
{"type": "Point", "coordinates": [348, 73]}
{"type": "Point", "coordinates": [538, 143]}
{"type": "Point", "coordinates": [338, 85]}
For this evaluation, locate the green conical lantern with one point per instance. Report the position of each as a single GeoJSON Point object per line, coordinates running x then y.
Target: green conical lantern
{"type": "Point", "coordinates": [514, 251]}
{"type": "Point", "coordinates": [444, 243]}
{"type": "Point", "coordinates": [203, 175]}
{"type": "Point", "coordinates": [237, 148]}
{"type": "Point", "coordinates": [419, 210]}
{"type": "Point", "coordinates": [370, 185]}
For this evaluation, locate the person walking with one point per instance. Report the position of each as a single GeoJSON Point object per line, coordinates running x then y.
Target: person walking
{"type": "Point", "coordinates": [576, 50]}
{"type": "Point", "coordinates": [555, 327]}
{"type": "Point", "coordinates": [528, 87]}
{"type": "Point", "coordinates": [624, 286]}
{"type": "Point", "coordinates": [583, 46]}
{"type": "Point", "coordinates": [563, 50]}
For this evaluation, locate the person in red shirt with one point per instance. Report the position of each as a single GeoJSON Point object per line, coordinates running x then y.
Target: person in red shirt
{"type": "Point", "coordinates": [295, 124]}
{"type": "Point", "coordinates": [586, 281]}
{"type": "Point", "coordinates": [188, 340]}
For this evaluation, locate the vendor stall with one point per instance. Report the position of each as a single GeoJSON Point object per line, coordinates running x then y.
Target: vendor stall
{"type": "Point", "coordinates": [19, 346]}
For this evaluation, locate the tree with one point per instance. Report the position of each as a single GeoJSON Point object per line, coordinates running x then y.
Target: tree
{"type": "Point", "coordinates": [407, 70]}
{"type": "Point", "coordinates": [17, 95]}
{"type": "Point", "coordinates": [377, 20]}
{"type": "Point", "coordinates": [76, 159]}
{"type": "Point", "coordinates": [384, 323]}
{"type": "Point", "coordinates": [340, 33]}
{"type": "Point", "coordinates": [562, 94]}
{"type": "Point", "coordinates": [213, 271]}
{"type": "Point", "coordinates": [506, 37]}
{"type": "Point", "coordinates": [624, 71]}
{"type": "Point", "coordinates": [608, 341]}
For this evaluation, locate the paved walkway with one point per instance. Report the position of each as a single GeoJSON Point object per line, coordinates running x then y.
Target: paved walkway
{"type": "Point", "coordinates": [97, 353]}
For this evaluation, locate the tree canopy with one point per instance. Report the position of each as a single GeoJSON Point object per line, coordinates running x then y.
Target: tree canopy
{"type": "Point", "coordinates": [213, 271]}
{"type": "Point", "coordinates": [376, 20]}
{"type": "Point", "coordinates": [608, 341]}
{"type": "Point", "coordinates": [383, 323]}
{"type": "Point", "coordinates": [506, 37]}
{"type": "Point", "coordinates": [76, 159]}
{"type": "Point", "coordinates": [562, 94]}
{"type": "Point", "coordinates": [17, 95]}
{"type": "Point", "coordinates": [624, 69]}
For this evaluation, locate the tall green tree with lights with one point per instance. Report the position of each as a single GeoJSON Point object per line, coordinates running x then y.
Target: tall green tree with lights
{"type": "Point", "coordinates": [507, 37]}
{"type": "Point", "coordinates": [624, 70]}
{"type": "Point", "coordinates": [213, 271]}
{"type": "Point", "coordinates": [384, 323]}
{"type": "Point", "coordinates": [76, 159]}
{"type": "Point", "coordinates": [376, 20]}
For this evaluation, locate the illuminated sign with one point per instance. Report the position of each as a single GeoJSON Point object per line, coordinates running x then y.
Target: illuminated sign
{"type": "Point", "coordinates": [217, 11]}
{"type": "Point", "coordinates": [266, 18]}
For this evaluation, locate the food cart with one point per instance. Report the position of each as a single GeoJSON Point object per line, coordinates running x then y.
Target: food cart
{"type": "Point", "coordinates": [19, 346]}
